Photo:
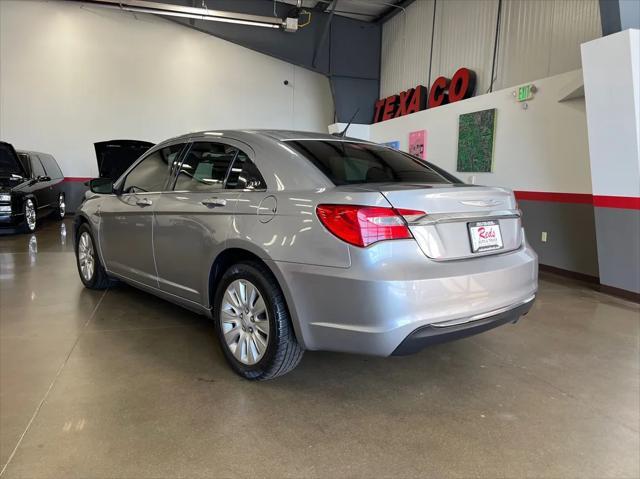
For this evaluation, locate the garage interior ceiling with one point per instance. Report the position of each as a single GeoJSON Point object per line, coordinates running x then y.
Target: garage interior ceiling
{"type": "Point", "coordinates": [365, 10]}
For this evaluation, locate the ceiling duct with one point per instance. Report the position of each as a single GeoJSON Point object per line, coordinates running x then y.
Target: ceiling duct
{"type": "Point", "coordinates": [288, 24]}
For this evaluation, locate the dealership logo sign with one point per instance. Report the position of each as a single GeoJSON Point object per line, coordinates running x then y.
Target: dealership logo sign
{"type": "Point", "coordinates": [461, 86]}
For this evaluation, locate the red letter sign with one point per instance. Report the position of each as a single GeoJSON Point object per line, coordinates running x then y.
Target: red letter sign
{"type": "Point", "coordinates": [443, 91]}
{"type": "Point", "coordinates": [377, 116]}
{"type": "Point", "coordinates": [463, 85]}
{"type": "Point", "coordinates": [418, 100]}
{"type": "Point", "coordinates": [437, 96]}
{"type": "Point", "coordinates": [390, 105]}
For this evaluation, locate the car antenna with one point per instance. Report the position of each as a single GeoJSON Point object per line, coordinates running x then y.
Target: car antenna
{"type": "Point", "coordinates": [343, 133]}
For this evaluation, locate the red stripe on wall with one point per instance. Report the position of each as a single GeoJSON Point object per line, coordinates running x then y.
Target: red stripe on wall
{"type": "Point", "coordinates": [623, 202]}
{"type": "Point", "coordinates": [75, 179]}
{"type": "Point", "coordinates": [579, 198]}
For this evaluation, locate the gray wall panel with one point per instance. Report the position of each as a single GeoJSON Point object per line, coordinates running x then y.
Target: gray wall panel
{"type": "Point", "coordinates": [406, 43]}
{"type": "Point", "coordinates": [618, 232]}
{"type": "Point", "coordinates": [538, 39]}
{"type": "Point", "coordinates": [464, 37]}
{"type": "Point", "coordinates": [571, 240]}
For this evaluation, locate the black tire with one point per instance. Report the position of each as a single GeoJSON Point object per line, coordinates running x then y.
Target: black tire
{"type": "Point", "coordinates": [99, 279]}
{"type": "Point", "coordinates": [24, 227]}
{"type": "Point", "coordinates": [283, 353]}
{"type": "Point", "coordinates": [61, 210]}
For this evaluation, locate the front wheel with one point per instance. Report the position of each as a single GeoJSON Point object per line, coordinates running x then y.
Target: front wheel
{"type": "Point", "coordinates": [30, 216]}
{"type": "Point", "coordinates": [253, 323]}
{"type": "Point", "coordinates": [92, 273]}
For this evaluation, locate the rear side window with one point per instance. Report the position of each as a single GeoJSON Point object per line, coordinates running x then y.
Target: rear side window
{"type": "Point", "coordinates": [244, 175]}
{"type": "Point", "coordinates": [347, 163]}
{"type": "Point", "coordinates": [205, 167]}
{"type": "Point", "coordinates": [50, 166]}
{"type": "Point", "coordinates": [36, 167]}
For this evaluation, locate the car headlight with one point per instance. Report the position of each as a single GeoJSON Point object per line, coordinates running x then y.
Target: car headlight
{"type": "Point", "coordinates": [5, 208]}
{"type": "Point", "coordinates": [5, 197]}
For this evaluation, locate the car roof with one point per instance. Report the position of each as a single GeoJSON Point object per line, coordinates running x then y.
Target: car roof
{"type": "Point", "coordinates": [31, 152]}
{"type": "Point", "coordinates": [280, 168]}
{"type": "Point", "coordinates": [279, 135]}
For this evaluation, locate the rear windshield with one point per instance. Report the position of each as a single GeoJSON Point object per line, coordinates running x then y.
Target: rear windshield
{"type": "Point", "coordinates": [348, 163]}
{"type": "Point", "coordinates": [9, 163]}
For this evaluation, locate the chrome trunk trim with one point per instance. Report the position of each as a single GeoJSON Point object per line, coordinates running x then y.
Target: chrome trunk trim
{"type": "Point", "coordinates": [477, 317]}
{"type": "Point", "coordinates": [439, 218]}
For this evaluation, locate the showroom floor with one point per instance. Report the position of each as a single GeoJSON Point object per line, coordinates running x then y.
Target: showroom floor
{"type": "Point", "coordinates": [121, 384]}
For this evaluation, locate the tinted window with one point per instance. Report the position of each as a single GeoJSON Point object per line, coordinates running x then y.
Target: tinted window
{"type": "Point", "coordinates": [50, 166]}
{"type": "Point", "coordinates": [205, 167]}
{"type": "Point", "coordinates": [9, 164]}
{"type": "Point", "coordinates": [152, 173]}
{"type": "Point", "coordinates": [36, 167]}
{"type": "Point", "coordinates": [244, 175]}
{"type": "Point", "coordinates": [347, 163]}
{"type": "Point", "coordinates": [24, 161]}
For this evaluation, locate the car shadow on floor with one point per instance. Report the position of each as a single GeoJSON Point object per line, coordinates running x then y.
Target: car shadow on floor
{"type": "Point", "coordinates": [185, 342]}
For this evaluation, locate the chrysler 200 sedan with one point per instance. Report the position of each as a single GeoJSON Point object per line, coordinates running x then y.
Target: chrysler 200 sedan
{"type": "Point", "coordinates": [293, 241]}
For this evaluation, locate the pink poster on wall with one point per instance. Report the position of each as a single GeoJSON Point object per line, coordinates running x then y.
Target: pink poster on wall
{"type": "Point", "coordinates": [418, 144]}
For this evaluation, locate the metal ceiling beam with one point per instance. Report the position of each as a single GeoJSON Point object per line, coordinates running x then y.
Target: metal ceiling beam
{"type": "Point", "coordinates": [393, 11]}
{"type": "Point", "coordinates": [144, 6]}
{"type": "Point", "coordinates": [325, 32]}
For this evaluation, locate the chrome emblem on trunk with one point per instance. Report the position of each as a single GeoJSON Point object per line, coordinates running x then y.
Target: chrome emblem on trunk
{"type": "Point", "coordinates": [481, 203]}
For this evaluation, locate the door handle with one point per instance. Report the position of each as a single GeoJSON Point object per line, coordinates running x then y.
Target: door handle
{"type": "Point", "coordinates": [214, 202]}
{"type": "Point", "coordinates": [144, 202]}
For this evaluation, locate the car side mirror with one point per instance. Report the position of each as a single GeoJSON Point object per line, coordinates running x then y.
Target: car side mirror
{"type": "Point", "coordinates": [101, 186]}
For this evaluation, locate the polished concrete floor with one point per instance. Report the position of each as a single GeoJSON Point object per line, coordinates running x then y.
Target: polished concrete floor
{"type": "Point", "coordinates": [121, 384]}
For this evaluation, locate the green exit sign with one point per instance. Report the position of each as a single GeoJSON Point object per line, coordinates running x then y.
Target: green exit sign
{"type": "Point", "coordinates": [525, 92]}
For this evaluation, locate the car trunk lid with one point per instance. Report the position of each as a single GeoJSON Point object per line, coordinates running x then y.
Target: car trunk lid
{"type": "Point", "coordinates": [454, 214]}
{"type": "Point", "coordinates": [115, 156]}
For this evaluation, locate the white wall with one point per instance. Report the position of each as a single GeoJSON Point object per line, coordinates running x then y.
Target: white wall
{"type": "Point", "coordinates": [612, 88]}
{"type": "Point", "coordinates": [542, 148]}
{"type": "Point", "coordinates": [71, 75]}
{"type": "Point", "coordinates": [538, 39]}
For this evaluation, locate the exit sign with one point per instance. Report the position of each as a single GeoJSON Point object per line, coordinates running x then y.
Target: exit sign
{"type": "Point", "coordinates": [525, 92]}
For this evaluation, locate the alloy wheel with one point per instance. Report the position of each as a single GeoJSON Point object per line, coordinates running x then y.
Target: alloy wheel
{"type": "Point", "coordinates": [62, 206]}
{"type": "Point", "coordinates": [30, 214]}
{"type": "Point", "coordinates": [86, 256]}
{"type": "Point", "coordinates": [244, 321]}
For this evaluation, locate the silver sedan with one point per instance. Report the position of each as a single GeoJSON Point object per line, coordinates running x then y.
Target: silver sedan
{"type": "Point", "coordinates": [293, 241]}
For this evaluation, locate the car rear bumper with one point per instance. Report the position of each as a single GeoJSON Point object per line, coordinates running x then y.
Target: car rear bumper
{"type": "Point", "coordinates": [435, 334]}
{"type": "Point", "coordinates": [392, 291]}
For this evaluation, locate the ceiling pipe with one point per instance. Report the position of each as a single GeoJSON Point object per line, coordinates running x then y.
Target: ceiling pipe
{"type": "Point", "coordinates": [156, 8]}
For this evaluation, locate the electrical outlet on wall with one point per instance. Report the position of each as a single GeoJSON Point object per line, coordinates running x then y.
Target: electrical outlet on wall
{"type": "Point", "coordinates": [544, 237]}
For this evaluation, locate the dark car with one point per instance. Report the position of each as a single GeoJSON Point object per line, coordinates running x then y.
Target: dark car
{"type": "Point", "coordinates": [30, 188]}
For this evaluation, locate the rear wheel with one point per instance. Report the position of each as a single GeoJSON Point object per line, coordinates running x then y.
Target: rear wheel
{"type": "Point", "coordinates": [62, 206]}
{"type": "Point", "coordinates": [92, 273]}
{"type": "Point", "coordinates": [253, 323]}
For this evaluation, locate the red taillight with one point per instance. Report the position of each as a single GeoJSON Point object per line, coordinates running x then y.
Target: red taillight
{"type": "Point", "coordinates": [364, 225]}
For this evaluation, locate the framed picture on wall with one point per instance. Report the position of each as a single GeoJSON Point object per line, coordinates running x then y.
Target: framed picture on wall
{"type": "Point", "coordinates": [393, 144]}
{"type": "Point", "coordinates": [418, 144]}
{"type": "Point", "coordinates": [476, 136]}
